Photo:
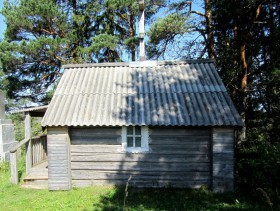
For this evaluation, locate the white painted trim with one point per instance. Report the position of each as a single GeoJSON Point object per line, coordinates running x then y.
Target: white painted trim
{"type": "Point", "coordinates": [147, 63]}
{"type": "Point", "coordinates": [124, 138]}
{"type": "Point", "coordinates": [144, 141]}
{"type": "Point", "coordinates": [145, 138]}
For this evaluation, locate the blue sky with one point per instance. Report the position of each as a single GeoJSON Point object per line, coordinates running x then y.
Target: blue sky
{"type": "Point", "coordinates": [2, 24]}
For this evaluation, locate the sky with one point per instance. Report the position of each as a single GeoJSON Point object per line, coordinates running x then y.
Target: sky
{"type": "Point", "coordinates": [2, 24]}
{"type": "Point", "coordinates": [196, 6]}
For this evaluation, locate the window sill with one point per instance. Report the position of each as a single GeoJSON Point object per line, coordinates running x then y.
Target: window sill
{"type": "Point", "coordinates": [136, 150]}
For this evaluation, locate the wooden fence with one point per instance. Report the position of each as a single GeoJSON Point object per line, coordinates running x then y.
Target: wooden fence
{"type": "Point", "coordinates": [39, 149]}
{"type": "Point", "coordinates": [38, 154]}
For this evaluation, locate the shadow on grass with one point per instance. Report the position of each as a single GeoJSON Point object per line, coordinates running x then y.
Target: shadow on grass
{"type": "Point", "coordinates": [175, 199]}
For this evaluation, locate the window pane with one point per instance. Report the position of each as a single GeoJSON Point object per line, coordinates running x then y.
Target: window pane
{"type": "Point", "coordinates": [129, 130]}
{"type": "Point", "coordinates": [129, 141]}
{"type": "Point", "coordinates": [137, 130]}
{"type": "Point", "coordinates": [137, 141]}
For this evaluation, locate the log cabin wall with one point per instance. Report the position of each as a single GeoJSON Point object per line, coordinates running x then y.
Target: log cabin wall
{"type": "Point", "coordinates": [222, 159]}
{"type": "Point", "coordinates": [59, 170]}
{"type": "Point", "coordinates": [177, 157]}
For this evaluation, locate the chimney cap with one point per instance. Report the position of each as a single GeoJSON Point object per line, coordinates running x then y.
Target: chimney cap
{"type": "Point", "coordinates": [141, 5]}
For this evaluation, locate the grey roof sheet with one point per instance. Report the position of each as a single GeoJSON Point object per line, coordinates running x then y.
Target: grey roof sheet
{"type": "Point", "coordinates": [36, 108]}
{"type": "Point", "coordinates": [188, 93]}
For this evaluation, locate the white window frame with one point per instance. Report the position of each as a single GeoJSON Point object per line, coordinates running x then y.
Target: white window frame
{"type": "Point", "coordinates": [144, 140]}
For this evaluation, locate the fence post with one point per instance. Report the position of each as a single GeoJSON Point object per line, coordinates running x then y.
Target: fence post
{"type": "Point", "coordinates": [14, 168]}
{"type": "Point", "coordinates": [28, 155]}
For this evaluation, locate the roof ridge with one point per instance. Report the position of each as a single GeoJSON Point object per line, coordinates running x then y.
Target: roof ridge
{"type": "Point", "coordinates": [189, 61]}
{"type": "Point", "coordinates": [133, 64]}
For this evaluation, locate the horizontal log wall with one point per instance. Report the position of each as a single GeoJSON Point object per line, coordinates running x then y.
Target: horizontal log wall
{"type": "Point", "coordinates": [223, 159]}
{"type": "Point", "coordinates": [59, 170]}
{"type": "Point", "coordinates": [178, 157]}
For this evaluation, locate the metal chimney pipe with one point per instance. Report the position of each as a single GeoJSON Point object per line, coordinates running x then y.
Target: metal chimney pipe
{"type": "Point", "coordinates": [142, 30]}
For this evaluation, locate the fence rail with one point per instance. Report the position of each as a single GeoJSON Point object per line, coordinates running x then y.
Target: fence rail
{"type": "Point", "coordinates": [36, 155]}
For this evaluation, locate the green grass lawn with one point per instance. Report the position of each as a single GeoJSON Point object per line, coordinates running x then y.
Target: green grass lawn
{"type": "Point", "coordinates": [12, 197]}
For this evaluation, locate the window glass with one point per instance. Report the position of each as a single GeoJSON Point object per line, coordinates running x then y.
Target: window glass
{"type": "Point", "coordinates": [137, 141]}
{"type": "Point", "coordinates": [129, 130]}
{"type": "Point", "coordinates": [137, 130]}
{"type": "Point", "coordinates": [130, 141]}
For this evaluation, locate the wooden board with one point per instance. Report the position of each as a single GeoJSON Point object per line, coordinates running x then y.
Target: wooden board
{"type": "Point", "coordinates": [177, 156]}
{"type": "Point", "coordinates": [179, 131]}
{"type": "Point", "coordinates": [222, 159]}
{"type": "Point", "coordinates": [141, 167]}
{"type": "Point", "coordinates": [96, 148]}
{"type": "Point", "coordinates": [152, 157]}
{"type": "Point", "coordinates": [59, 171]}
{"type": "Point", "coordinates": [179, 140]}
{"type": "Point", "coordinates": [150, 175]}
{"type": "Point", "coordinates": [143, 183]}
{"type": "Point", "coordinates": [95, 135]}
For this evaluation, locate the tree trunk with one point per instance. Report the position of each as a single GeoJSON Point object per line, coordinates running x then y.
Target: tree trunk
{"type": "Point", "coordinates": [132, 33]}
{"type": "Point", "coordinates": [244, 75]}
{"type": "Point", "coordinates": [75, 43]}
{"type": "Point", "coordinates": [243, 94]}
{"type": "Point", "coordinates": [209, 30]}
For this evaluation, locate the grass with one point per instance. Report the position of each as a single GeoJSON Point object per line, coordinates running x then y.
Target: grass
{"type": "Point", "coordinates": [12, 197]}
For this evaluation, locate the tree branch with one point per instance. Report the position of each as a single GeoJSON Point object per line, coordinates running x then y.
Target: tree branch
{"type": "Point", "coordinates": [198, 13]}
{"type": "Point", "coordinates": [59, 58]}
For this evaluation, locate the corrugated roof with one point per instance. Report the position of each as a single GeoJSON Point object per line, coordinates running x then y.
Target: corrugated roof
{"type": "Point", "coordinates": [186, 93]}
{"type": "Point", "coordinates": [37, 111]}
{"type": "Point", "coordinates": [36, 108]}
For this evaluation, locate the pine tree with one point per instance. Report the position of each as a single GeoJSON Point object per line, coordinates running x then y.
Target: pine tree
{"type": "Point", "coordinates": [41, 36]}
{"type": "Point", "coordinates": [183, 32]}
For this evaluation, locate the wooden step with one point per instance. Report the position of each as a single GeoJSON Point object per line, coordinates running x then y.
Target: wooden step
{"type": "Point", "coordinates": [35, 182]}
{"type": "Point", "coordinates": [36, 179]}
{"type": "Point", "coordinates": [35, 186]}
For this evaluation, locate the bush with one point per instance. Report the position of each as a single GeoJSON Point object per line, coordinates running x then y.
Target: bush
{"type": "Point", "coordinates": [258, 171]}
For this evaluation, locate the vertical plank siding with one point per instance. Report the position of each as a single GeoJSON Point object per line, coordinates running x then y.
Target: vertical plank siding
{"type": "Point", "coordinates": [177, 157]}
{"type": "Point", "coordinates": [59, 170]}
{"type": "Point", "coordinates": [223, 159]}
{"type": "Point", "coordinates": [39, 149]}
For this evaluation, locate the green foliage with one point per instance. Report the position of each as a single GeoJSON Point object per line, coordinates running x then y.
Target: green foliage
{"type": "Point", "coordinates": [43, 35]}
{"type": "Point", "coordinates": [104, 41]}
{"type": "Point", "coordinates": [167, 28]}
{"type": "Point", "coordinates": [4, 175]}
{"type": "Point", "coordinates": [37, 127]}
{"type": "Point", "coordinates": [36, 43]}
{"type": "Point", "coordinates": [18, 121]}
{"type": "Point", "coordinates": [257, 171]}
{"type": "Point", "coordinates": [105, 44]}
{"type": "Point", "coordinates": [255, 26]}
{"type": "Point", "coordinates": [164, 32]}
{"type": "Point", "coordinates": [178, 34]}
